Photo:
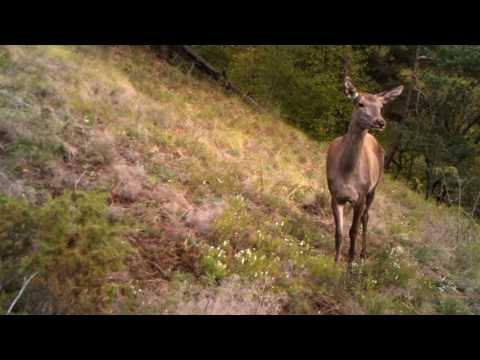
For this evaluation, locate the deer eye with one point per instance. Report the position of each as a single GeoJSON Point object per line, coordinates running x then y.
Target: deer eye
{"type": "Point", "coordinates": [361, 105]}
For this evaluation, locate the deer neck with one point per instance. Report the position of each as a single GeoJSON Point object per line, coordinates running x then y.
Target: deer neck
{"type": "Point", "coordinates": [353, 145]}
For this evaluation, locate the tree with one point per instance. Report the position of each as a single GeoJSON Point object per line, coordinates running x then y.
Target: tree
{"type": "Point", "coordinates": [444, 128]}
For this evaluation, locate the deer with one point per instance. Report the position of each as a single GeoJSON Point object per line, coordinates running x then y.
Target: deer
{"type": "Point", "coordinates": [355, 164]}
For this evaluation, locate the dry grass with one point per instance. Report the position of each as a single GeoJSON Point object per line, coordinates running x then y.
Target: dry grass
{"type": "Point", "coordinates": [232, 297]}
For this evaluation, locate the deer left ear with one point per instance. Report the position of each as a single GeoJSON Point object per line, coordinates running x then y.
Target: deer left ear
{"type": "Point", "coordinates": [388, 96]}
{"type": "Point", "coordinates": [350, 89]}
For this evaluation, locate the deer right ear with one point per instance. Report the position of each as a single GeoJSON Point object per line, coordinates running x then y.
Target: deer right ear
{"type": "Point", "coordinates": [350, 89]}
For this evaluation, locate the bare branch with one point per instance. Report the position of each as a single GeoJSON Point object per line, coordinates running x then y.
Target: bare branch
{"type": "Point", "coordinates": [470, 124]}
{"type": "Point", "coordinates": [25, 284]}
{"type": "Point", "coordinates": [78, 181]}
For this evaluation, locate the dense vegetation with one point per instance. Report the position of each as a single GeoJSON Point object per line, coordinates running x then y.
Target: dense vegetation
{"type": "Point", "coordinates": [128, 185]}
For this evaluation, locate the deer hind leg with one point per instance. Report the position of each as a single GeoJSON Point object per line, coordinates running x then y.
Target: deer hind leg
{"type": "Point", "coordinates": [337, 210]}
{"type": "Point", "coordinates": [357, 216]}
{"type": "Point", "coordinates": [365, 219]}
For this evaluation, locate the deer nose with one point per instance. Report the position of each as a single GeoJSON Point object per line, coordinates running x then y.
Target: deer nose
{"type": "Point", "coordinates": [380, 123]}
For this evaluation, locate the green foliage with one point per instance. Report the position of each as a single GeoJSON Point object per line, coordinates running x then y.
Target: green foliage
{"type": "Point", "coordinates": [460, 59]}
{"type": "Point", "coordinates": [303, 81]}
{"type": "Point", "coordinates": [441, 131]}
{"type": "Point", "coordinates": [214, 263]}
{"type": "Point", "coordinates": [72, 246]}
{"type": "Point", "coordinates": [16, 232]}
{"type": "Point", "coordinates": [425, 254]}
{"type": "Point", "coordinates": [452, 306]}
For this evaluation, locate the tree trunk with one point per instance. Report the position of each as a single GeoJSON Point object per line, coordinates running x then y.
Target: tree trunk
{"type": "Point", "coordinates": [429, 173]}
{"type": "Point", "coordinates": [410, 168]}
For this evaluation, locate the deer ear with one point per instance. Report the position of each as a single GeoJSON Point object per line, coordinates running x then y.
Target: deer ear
{"type": "Point", "coordinates": [350, 89]}
{"type": "Point", "coordinates": [388, 96]}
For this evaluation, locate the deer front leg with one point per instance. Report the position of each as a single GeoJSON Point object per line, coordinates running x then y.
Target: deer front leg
{"type": "Point", "coordinates": [338, 216]}
{"type": "Point", "coordinates": [357, 216]}
{"type": "Point", "coordinates": [365, 219]}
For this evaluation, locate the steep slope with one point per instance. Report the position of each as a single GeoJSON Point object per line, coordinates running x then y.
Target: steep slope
{"type": "Point", "coordinates": [226, 209]}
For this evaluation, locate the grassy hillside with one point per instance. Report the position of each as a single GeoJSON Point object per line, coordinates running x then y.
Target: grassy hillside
{"type": "Point", "coordinates": [182, 200]}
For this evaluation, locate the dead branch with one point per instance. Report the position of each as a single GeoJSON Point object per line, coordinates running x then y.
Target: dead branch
{"type": "Point", "coordinates": [203, 66]}
{"type": "Point", "coordinates": [20, 293]}
{"type": "Point", "coordinates": [78, 181]}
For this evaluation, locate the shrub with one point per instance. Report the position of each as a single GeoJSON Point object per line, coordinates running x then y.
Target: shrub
{"type": "Point", "coordinates": [452, 306]}
{"type": "Point", "coordinates": [214, 264]}
{"type": "Point", "coordinates": [16, 230]}
{"type": "Point", "coordinates": [425, 254]}
{"type": "Point", "coordinates": [72, 246]}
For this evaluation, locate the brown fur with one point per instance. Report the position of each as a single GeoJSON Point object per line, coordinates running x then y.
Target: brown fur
{"type": "Point", "coordinates": [355, 164]}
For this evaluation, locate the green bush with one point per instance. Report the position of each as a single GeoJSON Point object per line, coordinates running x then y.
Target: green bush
{"type": "Point", "coordinates": [71, 245]}
{"type": "Point", "coordinates": [16, 232]}
{"type": "Point", "coordinates": [214, 264]}
{"type": "Point", "coordinates": [452, 306]}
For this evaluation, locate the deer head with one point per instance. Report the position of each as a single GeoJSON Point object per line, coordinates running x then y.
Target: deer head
{"type": "Point", "coordinates": [368, 107]}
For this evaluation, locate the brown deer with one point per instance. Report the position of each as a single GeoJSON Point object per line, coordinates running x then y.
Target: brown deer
{"type": "Point", "coordinates": [355, 164]}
